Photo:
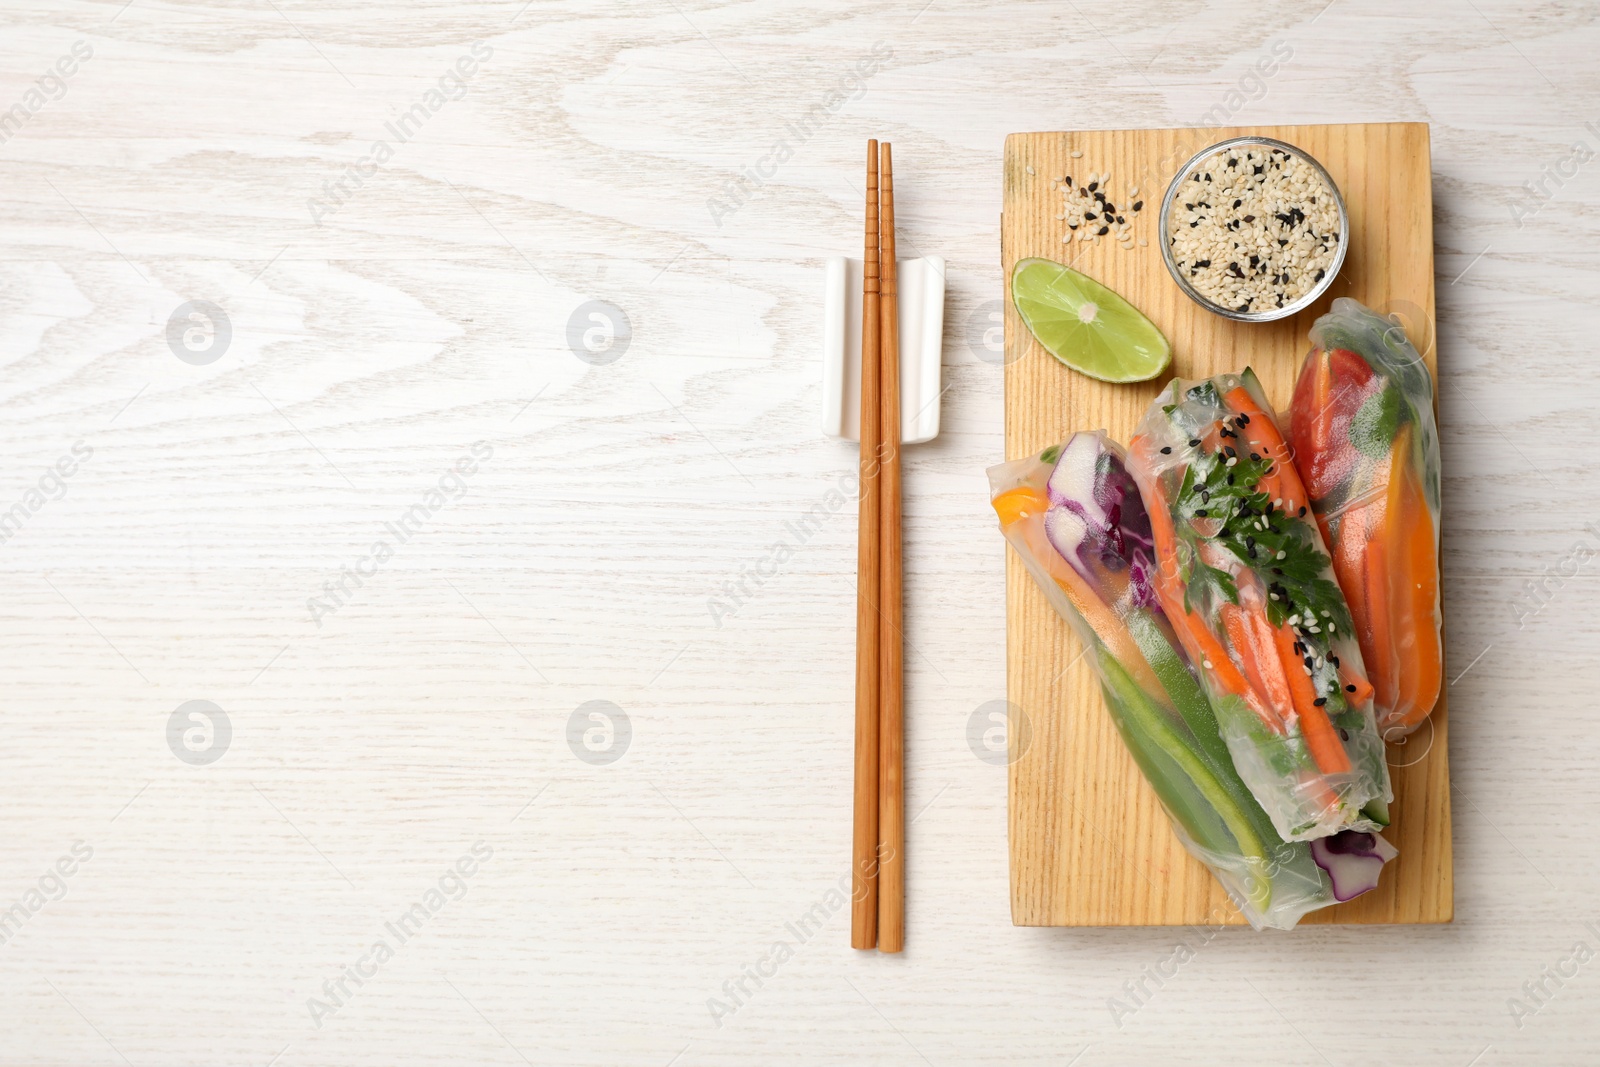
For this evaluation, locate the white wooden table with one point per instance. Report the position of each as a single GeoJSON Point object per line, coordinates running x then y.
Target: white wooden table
{"type": "Point", "coordinates": [378, 714]}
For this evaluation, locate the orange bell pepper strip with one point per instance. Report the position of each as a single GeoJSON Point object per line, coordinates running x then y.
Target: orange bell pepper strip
{"type": "Point", "coordinates": [1414, 591]}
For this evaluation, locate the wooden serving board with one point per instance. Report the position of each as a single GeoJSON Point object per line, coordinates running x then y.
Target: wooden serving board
{"type": "Point", "coordinates": [1090, 845]}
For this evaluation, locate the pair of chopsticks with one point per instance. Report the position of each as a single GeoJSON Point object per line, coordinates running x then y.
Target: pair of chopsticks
{"type": "Point", "coordinates": [878, 898]}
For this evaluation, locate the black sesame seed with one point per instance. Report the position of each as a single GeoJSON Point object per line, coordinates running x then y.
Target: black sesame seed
{"type": "Point", "coordinates": [1344, 735]}
{"type": "Point", "coordinates": [1244, 420]}
{"type": "Point", "coordinates": [1320, 701]}
{"type": "Point", "coordinates": [1138, 205]}
{"type": "Point", "coordinates": [1194, 442]}
{"type": "Point", "coordinates": [1093, 186]}
{"type": "Point", "coordinates": [1105, 229]}
{"type": "Point", "coordinates": [1256, 456]}
{"type": "Point", "coordinates": [1089, 215]}
{"type": "Point", "coordinates": [1167, 451]}
{"type": "Point", "coordinates": [1310, 663]}
{"type": "Point", "coordinates": [1349, 689]}
{"type": "Point", "coordinates": [1236, 203]}
{"type": "Point", "coordinates": [1202, 513]}
{"type": "Point", "coordinates": [1121, 221]}
{"type": "Point", "coordinates": [1069, 179]}
{"type": "Point", "coordinates": [1302, 511]}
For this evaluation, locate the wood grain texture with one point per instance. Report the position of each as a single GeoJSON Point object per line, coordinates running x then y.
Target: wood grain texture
{"type": "Point", "coordinates": [592, 555]}
{"type": "Point", "coordinates": [1090, 845]}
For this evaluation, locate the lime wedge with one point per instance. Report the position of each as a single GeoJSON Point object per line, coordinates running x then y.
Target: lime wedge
{"type": "Point", "coordinates": [1085, 325]}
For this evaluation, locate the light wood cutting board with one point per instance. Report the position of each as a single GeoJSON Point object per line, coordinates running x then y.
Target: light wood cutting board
{"type": "Point", "coordinates": [1090, 845]}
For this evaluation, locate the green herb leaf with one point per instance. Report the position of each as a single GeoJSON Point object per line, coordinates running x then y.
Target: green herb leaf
{"type": "Point", "coordinates": [1376, 422]}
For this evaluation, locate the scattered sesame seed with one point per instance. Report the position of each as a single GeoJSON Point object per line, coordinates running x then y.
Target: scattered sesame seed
{"type": "Point", "coordinates": [1347, 689]}
{"type": "Point", "coordinates": [1320, 701]}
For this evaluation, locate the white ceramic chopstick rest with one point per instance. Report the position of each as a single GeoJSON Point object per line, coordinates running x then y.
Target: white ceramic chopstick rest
{"type": "Point", "coordinates": [921, 284]}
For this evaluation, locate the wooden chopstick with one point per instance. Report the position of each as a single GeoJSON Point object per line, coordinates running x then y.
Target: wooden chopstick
{"type": "Point", "coordinates": [864, 863]}
{"type": "Point", "coordinates": [891, 642]}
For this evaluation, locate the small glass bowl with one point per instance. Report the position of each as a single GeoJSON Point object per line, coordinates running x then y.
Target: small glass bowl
{"type": "Point", "coordinates": [1271, 314]}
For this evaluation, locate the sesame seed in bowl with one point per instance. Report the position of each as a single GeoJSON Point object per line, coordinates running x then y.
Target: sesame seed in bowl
{"type": "Point", "coordinates": [1254, 229]}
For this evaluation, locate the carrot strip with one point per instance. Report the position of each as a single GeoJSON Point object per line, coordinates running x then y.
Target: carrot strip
{"type": "Point", "coordinates": [1326, 748]}
{"type": "Point", "coordinates": [1363, 688]}
{"type": "Point", "coordinates": [1284, 481]}
{"type": "Point", "coordinates": [1260, 661]}
{"type": "Point", "coordinates": [1201, 645]}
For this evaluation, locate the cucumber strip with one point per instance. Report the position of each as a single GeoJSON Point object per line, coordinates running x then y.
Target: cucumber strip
{"type": "Point", "coordinates": [1154, 725]}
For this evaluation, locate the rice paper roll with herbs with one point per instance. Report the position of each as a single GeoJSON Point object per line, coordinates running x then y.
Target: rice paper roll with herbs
{"type": "Point", "coordinates": [1366, 442]}
{"type": "Point", "coordinates": [1247, 584]}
